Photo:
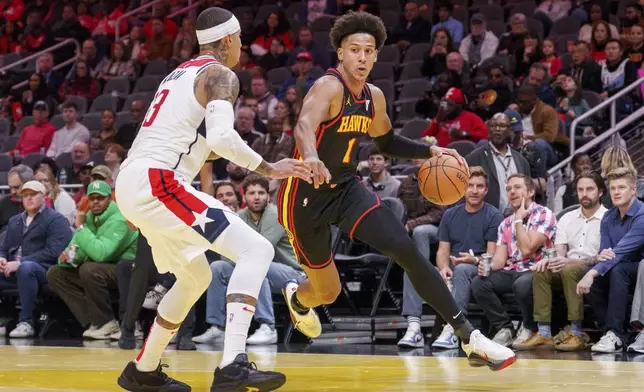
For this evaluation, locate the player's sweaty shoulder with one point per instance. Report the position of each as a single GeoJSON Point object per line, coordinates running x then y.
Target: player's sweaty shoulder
{"type": "Point", "coordinates": [326, 87]}
{"type": "Point", "coordinates": [216, 83]}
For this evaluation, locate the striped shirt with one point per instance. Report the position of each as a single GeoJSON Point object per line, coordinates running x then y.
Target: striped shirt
{"type": "Point", "coordinates": [541, 220]}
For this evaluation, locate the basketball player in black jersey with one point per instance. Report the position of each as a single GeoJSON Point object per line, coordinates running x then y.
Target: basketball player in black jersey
{"type": "Point", "coordinates": [339, 110]}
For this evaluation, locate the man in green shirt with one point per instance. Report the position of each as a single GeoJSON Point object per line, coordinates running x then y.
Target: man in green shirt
{"type": "Point", "coordinates": [86, 269]}
{"type": "Point", "coordinates": [261, 216]}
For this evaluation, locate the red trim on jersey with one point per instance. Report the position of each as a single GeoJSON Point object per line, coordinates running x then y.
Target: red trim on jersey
{"type": "Point", "coordinates": [339, 74]}
{"type": "Point", "coordinates": [174, 196]}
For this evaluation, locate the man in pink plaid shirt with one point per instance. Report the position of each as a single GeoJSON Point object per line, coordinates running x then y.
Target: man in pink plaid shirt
{"type": "Point", "coordinates": [522, 240]}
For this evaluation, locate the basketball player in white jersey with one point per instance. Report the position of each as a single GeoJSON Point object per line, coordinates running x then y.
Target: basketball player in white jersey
{"type": "Point", "coordinates": [154, 193]}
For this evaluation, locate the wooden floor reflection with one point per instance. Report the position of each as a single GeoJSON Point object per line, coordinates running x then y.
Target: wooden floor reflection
{"type": "Point", "coordinates": [30, 368]}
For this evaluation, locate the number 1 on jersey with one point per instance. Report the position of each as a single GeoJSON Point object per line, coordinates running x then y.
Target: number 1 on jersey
{"type": "Point", "coordinates": [347, 155]}
{"type": "Point", "coordinates": [159, 98]}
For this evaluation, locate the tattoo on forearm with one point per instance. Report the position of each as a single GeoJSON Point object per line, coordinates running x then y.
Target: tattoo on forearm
{"type": "Point", "coordinates": [219, 83]}
{"type": "Point", "coordinates": [241, 298]}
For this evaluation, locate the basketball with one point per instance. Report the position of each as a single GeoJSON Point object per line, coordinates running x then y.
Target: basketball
{"type": "Point", "coordinates": [443, 180]}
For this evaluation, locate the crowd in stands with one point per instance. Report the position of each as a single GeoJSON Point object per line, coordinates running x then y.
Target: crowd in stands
{"type": "Point", "coordinates": [500, 81]}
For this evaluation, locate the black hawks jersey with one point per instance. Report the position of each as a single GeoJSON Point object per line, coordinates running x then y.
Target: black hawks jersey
{"type": "Point", "coordinates": [338, 139]}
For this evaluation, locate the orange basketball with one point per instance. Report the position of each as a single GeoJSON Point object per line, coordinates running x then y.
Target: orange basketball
{"type": "Point", "coordinates": [442, 180]}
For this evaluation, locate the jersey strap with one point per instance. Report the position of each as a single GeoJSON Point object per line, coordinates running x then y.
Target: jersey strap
{"type": "Point", "coordinates": [347, 92]}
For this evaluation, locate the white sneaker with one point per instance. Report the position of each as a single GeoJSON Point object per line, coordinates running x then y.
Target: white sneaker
{"type": "Point", "coordinates": [523, 335]}
{"type": "Point", "coordinates": [153, 297]}
{"type": "Point", "coordinates": [89, 331]}
{"type": "Point", "coordinates": [213, 333]}
{"type": "Point", "coordinates": [264, 335]}
{"type": "Point", "coordinates": [22, 330]}
{"type": "Point", "coordinates": [309, 323]}
{"type": "Point", "coordinates": [3, 330]}
{"type": "Point", "coordinates": [447, 339]}
{"type": "Point", "coordinates": [138, 334]}
{"type": "Point", "coordinates": [105, 331]}
{"type": "Point", "coordinates": [638, 345]}
{"type": "Point", "coordinates": [503, 337]}
{"type": "Point", "coordinates": [482, 351]}
{"type": "Point", "coordinates": [413, 339]}
{"type": "Point", "coordinates": [116, 335]}
{"type": "Point", "coordinates": [609, 343]}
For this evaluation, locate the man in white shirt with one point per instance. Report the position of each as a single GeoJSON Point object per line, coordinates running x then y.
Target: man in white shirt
{"type": "Point", "coordinates": [577, 244]}
{"type": "Point", "coordinates": [73, 132]}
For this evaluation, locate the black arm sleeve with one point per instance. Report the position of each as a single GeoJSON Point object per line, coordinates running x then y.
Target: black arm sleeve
{"type": "Point", "coordinates": [397, 146]}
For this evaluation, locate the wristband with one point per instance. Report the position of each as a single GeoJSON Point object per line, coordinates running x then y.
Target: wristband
{"type": "Point", "coordinates": [518, 221]}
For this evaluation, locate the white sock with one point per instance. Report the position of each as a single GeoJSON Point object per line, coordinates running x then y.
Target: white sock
{"type": "Point", "coordinates": [237, 324]}
{"type": "Point", "coordinates": [150, 355]}
{"type": "Point", "coordinates": [413, 323]}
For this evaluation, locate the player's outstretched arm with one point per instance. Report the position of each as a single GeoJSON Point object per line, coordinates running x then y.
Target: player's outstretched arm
{"type": "Point", "coordinates": [397, 146]}
{"type": "Point", "coordinates": [316, 109]}
{"type": "Point", "coordinates": [216, 89]}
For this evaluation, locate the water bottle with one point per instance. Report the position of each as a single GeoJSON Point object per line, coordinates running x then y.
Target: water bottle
{"type": "Point", "coordinates": [62, 177]}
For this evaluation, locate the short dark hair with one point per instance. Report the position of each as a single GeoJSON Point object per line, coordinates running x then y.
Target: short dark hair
{"type": "Point", "coordinates": [445, 4]}
{"type": "Point", "coordinates": [529, 183]}
{"type": "Point", "coordinates": [618, 42]}
{"type": "Point", "coordinates": [355, 23]}
{"type": "Point", "coordinates": [595, 176]}
{"type": "Point", "coordinates": [527, 89]}
{"type": "Point", "coordinates": [255, 179]}
{"type": "Point", "coordinates": [70, 105]}
{"type": "Point", "coordinates": [212, 17]}
{"type": "Point", "coordinates": [582, 43]}
{"type": "Point", "coordinates": [374, 150]}
{"type": "Point", "coordinates": [577, 157]}
{"type": "Point", "coordinates": [636, 6]}
{"type": "Point", "coordinates": [230, 184]}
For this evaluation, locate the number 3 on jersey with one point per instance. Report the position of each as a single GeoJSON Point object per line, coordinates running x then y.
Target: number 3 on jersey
{"type": "Point", "coordinates": [151, 115]}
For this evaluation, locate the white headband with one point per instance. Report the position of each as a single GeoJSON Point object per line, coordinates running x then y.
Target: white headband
{"type": "Point", "coordinates": [213, 34]}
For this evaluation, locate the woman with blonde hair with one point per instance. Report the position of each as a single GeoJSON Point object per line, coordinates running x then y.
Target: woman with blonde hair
{"type": "Point", "coordinates": [61, 201]}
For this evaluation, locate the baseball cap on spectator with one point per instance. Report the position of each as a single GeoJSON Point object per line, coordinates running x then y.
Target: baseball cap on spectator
{"type": "Point", "coordinates": [102, 171]}
{"type": "Point", "coordinates": [478, 18]}
{"type": "Point", "coordinates": [41, 105]}
{"type": "Point", "coordinates": [33, 186]}
{"type": "Point", "coordinates": [515, 120]}
{"type": "Point", "coordinates": [306, 56]}
{"type": "Point", "coordinates": [454, 95]}
{"type": "Point", "coordinates": [99, 188]}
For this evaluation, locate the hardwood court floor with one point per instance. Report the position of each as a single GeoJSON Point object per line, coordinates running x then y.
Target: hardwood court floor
{"type": "Point", "coordinates": [71, 369]}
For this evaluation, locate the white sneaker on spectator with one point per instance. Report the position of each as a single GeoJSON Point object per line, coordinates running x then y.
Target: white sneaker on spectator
{"type": "Point", "coordinates": [447, 339]}
{"type": "Point", "coordinates": [638, 345]}
{"type": "Point", "coordinates": [89, 331]}
{"type": "Point", "coordinates": [213, 333]}
{"type": "Point", "coordinates": [153, 297]}
{"type": "Point", "coordinates": [503, 337]}
{"type": "Point", "coordinates": [105, 331]}
{"type": "Point", "coordinates": [413, 339]}
{"type": "Point", "coordinates": [264, 335]}
{"type": "Point", "coordinates": [138, 334]}
{"type": "Point", "coordinates": [609, 343]}
{"type": "Point", "coordinates": [22, 330]}
{"type": "Point", "coordinates": [523, 335]}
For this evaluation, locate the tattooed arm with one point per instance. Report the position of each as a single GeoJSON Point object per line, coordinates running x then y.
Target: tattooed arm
{"type": "Point", "coordinates": [216, 89]}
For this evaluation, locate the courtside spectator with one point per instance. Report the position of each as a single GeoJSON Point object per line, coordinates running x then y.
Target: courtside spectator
{"type": "Point", "coordinates": [525, 57]}
{"type": "Point", "coordinates": [37, 137]}
{"type": "Point", "coordinates": [480, 44]}
{"type": "Point", "coordinates": [522, 240]}
{"type": "Point", "coordinates": [466, 231]}
{"type": "Point", "coordinates": [96, 173]}
{"type": "Point", "coordinates": [566, 195]}
{"type": "Point", "coordinates": [577, 244]}
{"type": "Point", "coordinates": [303, 80]}
{"type": "Point", "coordinates": [305, 43]}
{"type": "Point", "coordinates": [33, 241]}
{"type": "Point", "coordinates": [80, 156]}
{"type": "Point", "coordinates": [495, 95]}
{"type": "Point", "coordinates": [445, 20]}
{"type": "Point", "coordinates": [72, 132]}
{"type": "Point", "coordinates": [114, 155]}
{"type": "Point", "coordinates": [379, 181]}
{"type": "Point", "coordinates": [84, 280]}
{"type": "Point", "coordinates": [584, 68]}
{"type": "Point", "coordinates": [266, 101]}
{"type": "Point", "coordinates": [539, 78]}
{"type": "Point", "coordinates": [454, 123]}
{"type": "Point", "coordinates": [411, 29]}
{"type": "Point", "coordinates": [262, 217]}
{"type": "Point", "coordinates": [52, 78]}
{"type": "Point", "coordinates": [540, 123]}
{"type": "Point", "coordinates": [435, 61]}
{"type": "Point", "coordinates": [512, 41]}
{"type": "Point", "coordinates": [11, 204]}
{"type": "Point", "coordinates": [499, 160]}
{"type": "Point", "coordinates": [228, 194]}
{"type": "Point", "coordinates": [81, 83]}
{"type": "Point", "coordinates": [608, 284]}
{"type": "Point", "coordinates": [275, 26]}
{"type": "Point", "coordinates": [276, 144]}
{"type": "Point", "coordinates": [127, 132]}
{"type": "Point", "coordinates": [637, 312]}
{"type": "Point", "coordinates": [60, 200]}
{"type": "Point", "coordinates": [244, 125]}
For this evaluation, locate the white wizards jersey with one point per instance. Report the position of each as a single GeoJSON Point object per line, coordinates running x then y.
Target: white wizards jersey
{"type": "Point", "coordinates": [169, 133]}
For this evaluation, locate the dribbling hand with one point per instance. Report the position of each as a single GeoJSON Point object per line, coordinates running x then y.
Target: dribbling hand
{"type": "Point", "coordinates": [319, 172]}
{"type": "Point", "coordinates": [290, 168]}
{"type": "Point", "coordinates": [439, 151]}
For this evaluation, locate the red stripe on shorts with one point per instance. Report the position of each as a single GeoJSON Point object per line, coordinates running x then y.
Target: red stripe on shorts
{"type": "Point", "coordinates": [174, 196]}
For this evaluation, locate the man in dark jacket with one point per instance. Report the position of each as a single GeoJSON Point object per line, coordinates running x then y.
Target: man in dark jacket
{"type": "Point", "coordinates": [33, 242]}
{"type": "Point", "coordinates": [11, 204]}
{"type": "Point", "coordinates": [584, 68]}
{"type": "Point", "coordinates": [499, 159]}
{"type": "Point", "coordinates": [412, 29]}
